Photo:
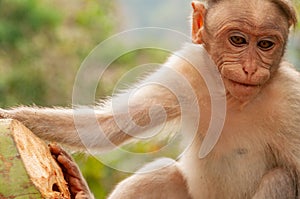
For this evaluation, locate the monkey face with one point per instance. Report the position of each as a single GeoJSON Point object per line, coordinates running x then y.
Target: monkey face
{"type": "Point", "coordinates": [246, 61]}
{"type": "Point", "coordinates": [246, 48]}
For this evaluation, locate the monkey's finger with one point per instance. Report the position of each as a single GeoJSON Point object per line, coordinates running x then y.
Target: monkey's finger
{"type": "Point", "coordinates": [70, 167]}
{"type": "Point", "coordinates": [82, 195]}
{"type": "Point", "coordinates": [57, 150]}
{"type": "Point", "coordinates": [54, 149]}
{"type": "Point", "coordinates": [76, 185]}
{"type": "Point", "coordinates": [79, 189]}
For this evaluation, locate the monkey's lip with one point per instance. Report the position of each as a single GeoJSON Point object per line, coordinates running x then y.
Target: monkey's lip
{"type": "Point", "coordinates": [248, 85]}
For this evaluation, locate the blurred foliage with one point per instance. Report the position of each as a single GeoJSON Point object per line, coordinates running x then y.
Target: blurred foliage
{"type": "Point", "coordinates": [19, 19]}
{"type": "Point", "coordinates": [101, 179]}
{"type": "Point", "coordinates": [20, 23]}
{"type": "Point", "coordinates": [42, 44]}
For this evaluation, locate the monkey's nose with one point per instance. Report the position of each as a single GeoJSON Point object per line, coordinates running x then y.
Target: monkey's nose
{"type": "Point", "coordinates": [249, 70]}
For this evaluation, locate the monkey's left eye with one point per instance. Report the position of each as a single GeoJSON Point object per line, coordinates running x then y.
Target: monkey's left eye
{"type": "Point", "coordinates": [265, 44]}
{"type": "Point", "coordinates": [237, 41]}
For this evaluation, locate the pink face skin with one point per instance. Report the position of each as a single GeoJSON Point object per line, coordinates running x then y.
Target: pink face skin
{"type": "Point", "coordinates": [246, 41]}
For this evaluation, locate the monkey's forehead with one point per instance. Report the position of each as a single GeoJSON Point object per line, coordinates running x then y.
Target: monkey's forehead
{"type": "Point", "coordinates": [254, 14]}
{"type": "Point", "coordinates": [260, 10]}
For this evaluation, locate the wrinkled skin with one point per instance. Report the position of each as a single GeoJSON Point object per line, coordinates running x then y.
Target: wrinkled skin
{"type": "Point", "coordinates": [246, 48]}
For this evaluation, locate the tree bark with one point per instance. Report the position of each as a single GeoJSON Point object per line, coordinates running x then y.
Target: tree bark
{"type": "Point", "coordinates": [27, 169]}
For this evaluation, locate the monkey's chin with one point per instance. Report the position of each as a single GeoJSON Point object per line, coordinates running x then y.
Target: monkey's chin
{"type": "Point", "coordinates": [242, 92]}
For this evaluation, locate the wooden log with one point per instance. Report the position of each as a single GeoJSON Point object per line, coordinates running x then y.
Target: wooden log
{"type": "Point", "coordinates": [27, 169]}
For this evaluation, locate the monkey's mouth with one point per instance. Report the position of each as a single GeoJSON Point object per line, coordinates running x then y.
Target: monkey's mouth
{"type": "Point", "coordinates": [240, 90]}
{"type": "Point", "coordinates": [248, 85]}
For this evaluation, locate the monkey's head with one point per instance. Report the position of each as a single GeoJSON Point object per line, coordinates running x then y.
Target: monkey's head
{"type": "Point", "coordinates": [245, 38]}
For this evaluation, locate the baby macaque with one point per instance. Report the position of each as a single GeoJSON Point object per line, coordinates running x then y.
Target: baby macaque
{"type": "Point", "coordinates": [257, 154]}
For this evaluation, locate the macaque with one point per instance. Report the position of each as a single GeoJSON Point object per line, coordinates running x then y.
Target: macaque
{"type": "Point", "coordinates": [258, 152]}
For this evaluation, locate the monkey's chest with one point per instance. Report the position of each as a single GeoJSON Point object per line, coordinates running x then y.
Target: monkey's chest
{"type": "Point", "coordinates": [232, 170]}
{"type": "Point", "coordinates": [235, 175]}
{"type": "Point", "coordinates": [237, 163]}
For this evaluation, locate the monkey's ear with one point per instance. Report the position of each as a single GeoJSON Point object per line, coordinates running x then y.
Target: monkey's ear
{"type": "Point", "coordinates": [199, 12]}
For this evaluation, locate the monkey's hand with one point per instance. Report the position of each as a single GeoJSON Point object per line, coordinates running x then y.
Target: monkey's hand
{"type": "Point", "coordinates": [77, 185]}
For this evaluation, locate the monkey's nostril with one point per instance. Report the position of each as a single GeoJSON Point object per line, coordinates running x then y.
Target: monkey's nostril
{"type": "Point", "coordinates": [250, 70]}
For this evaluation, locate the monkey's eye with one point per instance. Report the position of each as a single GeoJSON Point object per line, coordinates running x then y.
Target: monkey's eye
{"type": "Point", "coordinates": [237, 41]}
{"type": "Point", "coordinates": [265, 44]}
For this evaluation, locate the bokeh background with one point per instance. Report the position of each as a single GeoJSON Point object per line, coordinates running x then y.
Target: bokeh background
{"type": "Point", "coordinates": [43, 43]}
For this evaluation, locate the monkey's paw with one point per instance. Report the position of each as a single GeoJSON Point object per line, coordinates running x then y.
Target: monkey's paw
{"type": "Point", "coordinates": [77, 185]}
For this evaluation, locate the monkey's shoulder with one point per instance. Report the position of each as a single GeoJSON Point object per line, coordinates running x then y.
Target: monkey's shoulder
{"type": "Point", "coordinates": [282, 95]}
{"type": "Point", "coordinates": [288, 70]}
{"type": "Point", "coordinates": [286, 81]}
{"type": "Point", "coordinates": [279, 100]}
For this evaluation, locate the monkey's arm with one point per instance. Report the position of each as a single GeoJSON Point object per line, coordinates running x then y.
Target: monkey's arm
{"type": "Point", "coordinates": [140, 109]}
{"type": "Point", "coordinates": [276, 184]}
{"type": "Point", "coordinates": [98, 127]}
{"type": "Point", "coordinates": [161, 99]}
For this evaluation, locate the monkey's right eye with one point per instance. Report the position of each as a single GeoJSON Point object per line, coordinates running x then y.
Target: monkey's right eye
{"type": "Point", "coordinates": [237, 41]}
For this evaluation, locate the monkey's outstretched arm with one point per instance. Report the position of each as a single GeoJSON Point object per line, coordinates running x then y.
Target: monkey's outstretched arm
{"type": "Point", "coordinates": [159, 100]}
{"type": "Point", "coordinates": [104, 125]}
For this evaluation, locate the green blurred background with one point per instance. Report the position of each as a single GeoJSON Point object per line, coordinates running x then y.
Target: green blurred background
{"type": "Point", "coordinates": [43, 43]}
